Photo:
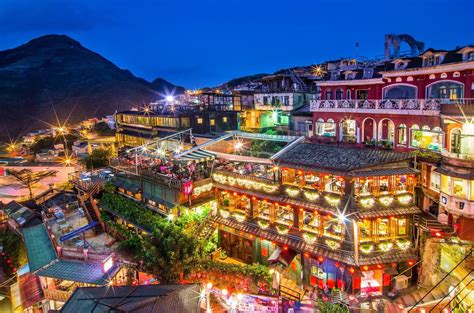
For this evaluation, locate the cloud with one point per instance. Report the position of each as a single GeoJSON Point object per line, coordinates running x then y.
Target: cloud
{"type": "Point", "coordinates": [19, 16]}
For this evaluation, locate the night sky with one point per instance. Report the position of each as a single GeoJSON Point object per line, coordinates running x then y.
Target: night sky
{"type": "Point", "coordinates": [204, 43]}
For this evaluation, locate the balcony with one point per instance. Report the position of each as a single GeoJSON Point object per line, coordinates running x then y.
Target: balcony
{"type": "Point", "coordinates": [430, 107]}
{"type": "Point", "coordinates": [457, 107]}
{"type": "Point", "coordinates": [460, 156]}
{"type": "Point", "coordinates": [57, 295]}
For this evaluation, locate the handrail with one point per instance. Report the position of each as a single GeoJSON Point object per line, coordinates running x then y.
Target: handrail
{"type": "Point", "coordinates": [460, 301]}
{"type": "Point", "coordinates": [449, 292]}
{"type": "Point", "coordinates": [441, 280]}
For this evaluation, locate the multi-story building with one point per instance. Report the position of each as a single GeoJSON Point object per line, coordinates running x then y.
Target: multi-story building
{"type": "Point", "coordinates": [274, 101]}
{"type": "Point", "coordinates": [324, 216]}
{"type": "Point", "coordinates": [398, 101]}
{"type": "Point", "coordinates": [205, 113]}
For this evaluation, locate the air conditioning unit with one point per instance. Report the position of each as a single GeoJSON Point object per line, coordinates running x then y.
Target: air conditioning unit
{"type": "Point", "coordinates": [401, 282]}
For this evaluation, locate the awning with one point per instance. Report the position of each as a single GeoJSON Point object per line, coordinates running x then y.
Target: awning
{"type": "Point", "coordinates": [282, 257]}
{"type": "Point", "coordinates": [130, 187]}
{"type": "Point", "coordinates": [198, 156]}
{"type": "Point", "coordinates": [458, 172]}
{"type": "Point", "coordinates": [167, 204]}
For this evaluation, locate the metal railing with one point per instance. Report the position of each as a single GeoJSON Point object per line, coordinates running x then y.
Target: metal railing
{"type": "Point", "coordinates": [462, 156]}
{"type": "Point", "coordinates": [377, 104]}
{"type": "Point", "coordinates": [420, 301]}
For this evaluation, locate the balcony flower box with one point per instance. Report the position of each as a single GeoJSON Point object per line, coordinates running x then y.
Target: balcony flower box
{"type": "Point", "coordinates": [332, 244]}
{"type": "Point", "coordinates": [309, 238]}
{"type": "Point", "coordinates": [239, 217]}
{"type": "Point", "coordinates": [224, 213]}
{"type": "Point", "coordinates": [403, 244]}
{"type": "Point", "coordinates": [263, 224]}
{"type": "Point", "coordinates": [386, 246]}
{"type": "Point", "coordinates": [367, 248]}
{"type": "Point", "coordinates": [282, 230]}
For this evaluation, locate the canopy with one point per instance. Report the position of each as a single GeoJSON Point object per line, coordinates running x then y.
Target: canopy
{"type": "Point", "coordinates": [198, 156]}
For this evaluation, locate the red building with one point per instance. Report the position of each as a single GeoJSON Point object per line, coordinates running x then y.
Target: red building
{"type": "Point", "coordinates": [396, 102]}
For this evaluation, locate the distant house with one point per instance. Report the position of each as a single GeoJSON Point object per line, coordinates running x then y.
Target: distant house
{"type": "Point", "coordinates": [79, 147]}
{"type": "Point", "coordinates": [143, 298]}
{"type": "Point", "coordinates": [20, 216]}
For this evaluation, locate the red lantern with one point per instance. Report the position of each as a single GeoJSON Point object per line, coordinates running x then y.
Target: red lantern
{"type": "Point", "coordinates": [336, 264]}
{"type": "Point", "coordinates": [352, 270]}
{"type": "Point", "coordinates": [306, 255]}
{"type": "Point", "coordinates": [285, 248]}
{"type": "Point", "coordinates": [320, 259]}
{"type": "Point", "coordinates": [379, 266]}
{"type": "Point", "coordinates": [411, 263]}
{"type": "Point", "coordinates": [366, 268]}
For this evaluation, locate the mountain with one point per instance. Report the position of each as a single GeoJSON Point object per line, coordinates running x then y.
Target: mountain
{"type": "Point", "coordinates": [55, 73]}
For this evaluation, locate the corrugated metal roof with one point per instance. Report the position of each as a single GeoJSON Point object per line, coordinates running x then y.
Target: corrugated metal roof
{"type": "Point", "coordinates": [90, 273]}
{"type": "Point", "coordinates": [39, 248]}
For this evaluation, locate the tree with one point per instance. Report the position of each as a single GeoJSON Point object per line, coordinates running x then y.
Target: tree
{"type": "Point", "coordinates": [28, 178]}
{"type": "Point", "coordinates": [98, 158]}
{"type": "Point", "coordinates": [169, 252]}
{"type": "Point", "coordinates": [103, 129]}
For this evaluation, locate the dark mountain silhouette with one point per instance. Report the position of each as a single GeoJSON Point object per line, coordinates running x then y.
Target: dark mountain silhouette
{"type": "Point", "coordinates": [55, 73]}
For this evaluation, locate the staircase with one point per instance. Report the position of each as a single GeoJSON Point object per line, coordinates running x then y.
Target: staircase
{"type": "Point", "coordinates": [454, 289]}
{"type": "Point", "coordinates": [205, 230]}
{"type": "Point", "coordinates": [93, 214]}
{"type": "Point", "coordinates": [289, 290]}
{"type": "Point", "coordinates": [428, 222]}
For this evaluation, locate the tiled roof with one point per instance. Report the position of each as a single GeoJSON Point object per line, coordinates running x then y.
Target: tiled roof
{"type": "Point", "coordinates": [39, 248]}
{"type": "Point", "coordinates": [142, 298]}
{"type": "Point", "coordinates": [338, 158]}
{"type": "Point", "coordinates": [90, 273]}
{"type": "Point", "coordinates": [22, 215]}
{"type": "Point", "coordinates": [296, 243]}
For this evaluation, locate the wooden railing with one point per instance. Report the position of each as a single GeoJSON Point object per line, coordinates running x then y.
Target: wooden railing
{"type": "Point", "coordinates": [57, 295]}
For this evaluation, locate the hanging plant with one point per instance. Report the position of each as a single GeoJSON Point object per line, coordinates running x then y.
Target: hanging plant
{"type": "Point", "coordinates": [386, 201]}
{"type": "Point", "coordinates": [403, 244]}
{"type": "Point", "coordinates": [367, 202]}
{"type": "Point", "coordinates": [239, 217]}
{"type": "Point", "coordinates": [263, 224]}
{"type": "Point", "coordinates": [332, 244]}
{"type": "Point", "coordinates": [332, 200]}
{"type": "Point", "coordinates": [309, 238]}
{"type": "Point", "coordinates": [311, 196]}
{"type": "Point", "coordinates": [282, 230]}
{"type": "Point", "coordinates": [404, 199]}
{"type": "Point", "coordinates": [386, 246]}
{"type": "Point", "coordinates": [224, 213]}
{"type": "Point", "coordinates": [367, 248]}
{"type": "Point", "coordinates": [292, 191]}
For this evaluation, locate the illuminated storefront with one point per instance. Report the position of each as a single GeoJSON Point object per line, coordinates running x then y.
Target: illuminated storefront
{"type": "Point", "coordinates": [425, 138]}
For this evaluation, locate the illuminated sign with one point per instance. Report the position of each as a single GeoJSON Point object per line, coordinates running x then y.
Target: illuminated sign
{"type": "Point", "coordinates": [107, 264]}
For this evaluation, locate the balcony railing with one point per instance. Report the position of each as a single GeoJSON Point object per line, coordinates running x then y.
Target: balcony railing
{"type": "Point", "coordinates": [400, 106]}
{"type": "Point", "coordinates": [462, 156]}
{"type": "Point", "coordinates": [57, 295]}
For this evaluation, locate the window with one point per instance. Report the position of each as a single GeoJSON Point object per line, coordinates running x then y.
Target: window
{"type": "Point", "coordinates": [400, 65]}
{"type": "Point", "coordinates": [470, 56]}
{"type": "Point", "coordinates": [362, 94]}
{"type": "Point", "coordinates": [348, 94]}
{"type": "Point", "coordinates": [329, 94]}
{"type": "Point", "coordinates": [339, 94]}
{"type": "Point", "coordinates": [286, 100]}
{"type": "Point", "coordinates": [199, 120]}
{"type": "Point", "coordinates": [212, 122]}
{"type": "Point", "coordinates": [348, 130]}
{"type": "Point", "coordinates": [460, 187]}
{"type": "Point", "coordinates": [400, 92]}
{"type": "Point", "coordinates": [456, 140]}
{"type": "Point", "coordinates": [445, 90]}
{"type": "Point", "coordinates": [185, 122]}
{"type": "Point", "coordinates": [265, 100]}
{"type": "Point", "coordinates": [402, 134]}
{"type": "Point", "coordinates": [402, 227]}
{"type": "Point", "coordinates": [426, 139]}
{"type": "Point", "coordinates": [325, 129]}
{"type": "Point", "coordinates": [435, 180]}
{"type": "Point", "coordinates": [224, 119]}
{"type": "Point", "coordinates": [445, 182]}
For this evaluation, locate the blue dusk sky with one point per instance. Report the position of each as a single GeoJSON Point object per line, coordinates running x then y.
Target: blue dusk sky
{"type": "Point", "coordinates": [207, 42]}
